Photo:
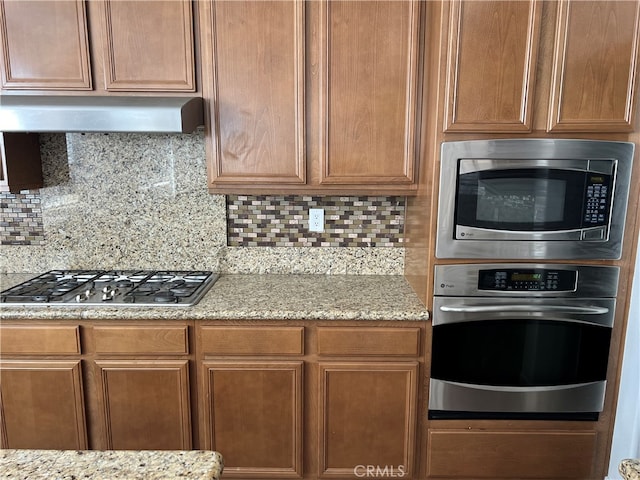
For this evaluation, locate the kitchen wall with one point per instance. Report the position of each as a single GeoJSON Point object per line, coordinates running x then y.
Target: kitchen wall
{"type": "Point", "coordinates": [134, 201]}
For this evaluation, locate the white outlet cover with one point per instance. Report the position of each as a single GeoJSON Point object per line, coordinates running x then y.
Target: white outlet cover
{"type": "Point", "coordinates": [316, 220]}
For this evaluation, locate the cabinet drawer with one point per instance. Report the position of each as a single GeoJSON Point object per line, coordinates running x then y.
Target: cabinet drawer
{"type": "Point", "coordinates": [141, 340]}
{"type": "Point", "coordinates": [253, 340]}
{"type": "Point", "coordinates": [40, 340]}
{"type": "Point", "coordinates": [368, 341]}
{"type": "Point", "coordinates": [525, 454]}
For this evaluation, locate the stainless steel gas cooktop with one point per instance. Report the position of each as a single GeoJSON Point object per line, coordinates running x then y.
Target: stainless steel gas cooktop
{"type": "Point", "coordinates": [112, 288]}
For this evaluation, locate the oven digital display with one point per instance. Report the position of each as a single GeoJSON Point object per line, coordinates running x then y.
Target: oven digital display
{"type": "Point", "coordinates": [526, 277]}
{"type": "Point", "coordinates": [540, 280]}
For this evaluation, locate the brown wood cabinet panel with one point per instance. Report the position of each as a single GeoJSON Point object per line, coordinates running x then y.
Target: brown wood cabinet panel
{"type": "Point", "coordinates": [253, 413]}
{"type": "Point", "coordinates": [491, 65]}
{"type": "Point", "coordinates": [148, 46]}
{"type": "Point", "coordinates": [44, 45]}
{"type": "Point", "coordinates": [41, 405]}
{"type": "Point", "coordinates": [493, 454]}
{"type": "Point", "coordinates": [21, 167]}
{"type": "Point", "coordinates": [595, 73]}
{"type": "Point", "coordinates": [40, 340]}
{"type": "Point", "coordinates": [367, 417]}
{"type": "Point", "coordinates": [368, 341]}
{"type": "Point", "coordinates": [370, 92]}
{"type": "Point", "coordinates": [257, 105]}
{"type": "Point", "coordinates": [254, 340]}
{"type": "Point", "coordinates": [141, 340]}
{"type": "Point", "coordinates": [145, 404]}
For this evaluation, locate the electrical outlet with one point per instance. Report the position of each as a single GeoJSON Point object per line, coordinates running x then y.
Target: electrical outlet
{"type": "Point", "coordinates": [316, 220]}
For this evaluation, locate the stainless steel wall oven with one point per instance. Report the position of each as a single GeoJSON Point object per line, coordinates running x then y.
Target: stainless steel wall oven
{"type": "Point", "coordinates": [533, 199]}
{"type": "Point", "coordinates": [521, 341]}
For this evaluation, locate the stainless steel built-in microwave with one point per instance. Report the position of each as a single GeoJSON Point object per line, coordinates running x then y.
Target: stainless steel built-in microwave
{"type": "Point", "coordinates": [533, 199]}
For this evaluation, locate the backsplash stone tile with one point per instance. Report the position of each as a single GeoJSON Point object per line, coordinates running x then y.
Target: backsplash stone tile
{"type": "Point", "coordinates": [21, 218]}
{"type": "Point", "coordinates": [140, 201]}
{"type": "Point", "coordinates": [282, 221]}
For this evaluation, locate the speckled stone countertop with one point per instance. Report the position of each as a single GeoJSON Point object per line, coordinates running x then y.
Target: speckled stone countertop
{"type": "Point", "coordinates": [630, 469]}
{"type": "Point", "coordinates": [261, 297]}
{"type": "Point", "coordinates": [110, 465]}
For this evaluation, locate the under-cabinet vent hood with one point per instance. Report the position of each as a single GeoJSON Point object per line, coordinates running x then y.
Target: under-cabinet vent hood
{"type": "Point", "coordinates": [35, 113]}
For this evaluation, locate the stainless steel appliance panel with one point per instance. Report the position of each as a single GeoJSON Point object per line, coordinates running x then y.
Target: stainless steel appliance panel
{"type": "Point", "coordinates": [521, 340]}
{"type": "Point", "coordinates": [458, 158]}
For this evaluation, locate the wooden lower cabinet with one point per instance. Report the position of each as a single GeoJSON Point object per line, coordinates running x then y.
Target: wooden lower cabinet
{"type": "Point", "coordinates": [42, 405]}
{"type": "Point", "coordinates": [145, 404]}
{"type": "Point", "coordinates": [253, 413]}
{"type": "Point", "coordinates": [469, 454]}
{"type": "Point", "coordinates": [367, 419]}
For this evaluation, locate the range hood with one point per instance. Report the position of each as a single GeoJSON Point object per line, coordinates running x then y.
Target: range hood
{"type": "Point", "coordinates": [36, 113]}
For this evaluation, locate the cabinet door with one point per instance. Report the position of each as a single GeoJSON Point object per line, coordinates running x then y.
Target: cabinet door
{"type": "Point", "coordinates": [41, 405]}
{"type": "Point", "coordinates": [369, 90]}
{"type": "Point", "coordinates": [253, 413]}
{"type": "Point", "coordinates": [44, 45]}
{"type": "Point", "coordinates": [21, 167]}
{"type": "Point", "coordinates": [257, 114]}
{"type": "Point", "coordinates": [596, 65]}
{"type": "Point", "coordinates": [148, 46]}
{"type": "Point", "coordinates": [367, 418]}
{"type": "Point", "coordinates": [491, 65]}
{"type": "Point", "coordinates": [145, 404]}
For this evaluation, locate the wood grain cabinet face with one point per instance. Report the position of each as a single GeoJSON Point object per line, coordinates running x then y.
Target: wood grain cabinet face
{"type": "Point", "coordinates": [42, 405]}
{"type": "Point", "coordinates": [44, 45]}
{"type": "Point", "coordinates": [370, 91]}
{"type": "Point", "coordinates": [510, 454]}
{"type": "Point", "coordinates": [313, 96]}
{"type": "Point", "coordinates": [596, 59]}
{"type": "Point", "coordinates": [253, 413]}
{"type": "Point", "coordinates": [148, 46]}
{"type": "Point", "coordinates": [367, 418]}
{"type": "Point", "coordinates": [491, 60]}
{"type": "Point", "coordinates": [257, 114]}
{"type": "Point", "coordinates": [21, 166]}
{"type": "Point", "coordinates": [145, 404]}
{"type": "Point", "coordinates": [492, 64]}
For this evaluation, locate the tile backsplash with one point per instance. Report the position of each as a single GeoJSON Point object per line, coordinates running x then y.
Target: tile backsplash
{"type": "Point", "coordinates": [21, 218]}
{"type": "Point", "coordinates": [135, 201]}
{"type": "Point", "coordinates": [282, 221]}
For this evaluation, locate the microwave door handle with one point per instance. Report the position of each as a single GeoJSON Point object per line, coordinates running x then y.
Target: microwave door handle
{"type": "Point", "coordinates": [524, 308]}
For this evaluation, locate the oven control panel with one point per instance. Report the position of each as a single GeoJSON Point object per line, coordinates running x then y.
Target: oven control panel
{"type": "Point", "coordinates": [526, 280]}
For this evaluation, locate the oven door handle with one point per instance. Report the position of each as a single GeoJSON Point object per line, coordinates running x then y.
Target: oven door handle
{"type": "Point", "coordinates": [524, 308]}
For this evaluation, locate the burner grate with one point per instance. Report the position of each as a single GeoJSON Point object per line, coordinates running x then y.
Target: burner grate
{"type": "Point", "coordinates": [112, 287]}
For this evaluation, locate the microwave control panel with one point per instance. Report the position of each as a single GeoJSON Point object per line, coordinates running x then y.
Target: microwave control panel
{"type": "Point", "coordinates": [597, 200]}
{"type": "Point", "coordinates": [526, 280]}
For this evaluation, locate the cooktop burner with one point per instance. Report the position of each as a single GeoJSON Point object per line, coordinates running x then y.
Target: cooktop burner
{"type": "Point", "coordinates": [112, 287]}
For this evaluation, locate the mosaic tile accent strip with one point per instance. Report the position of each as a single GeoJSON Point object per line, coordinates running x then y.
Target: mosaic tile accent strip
{"type": "Point", "coordinates": [282, 221]}
{"type": "Point", "coordinates": [21, 218]}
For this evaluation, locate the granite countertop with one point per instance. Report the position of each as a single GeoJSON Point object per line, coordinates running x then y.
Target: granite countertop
{"type": "Point", "coordinates": [258, 297]}
{"type": "Point", "coordinates": [630, 469]}
{"type": "Point", "coordinates": [110, 464]}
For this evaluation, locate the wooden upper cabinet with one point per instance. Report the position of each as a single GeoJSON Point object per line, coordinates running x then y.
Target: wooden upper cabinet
{"type": "Point", "coordinates": [490, 68]}
{"type": "Point", "coordinates": [312, 96]}
{"type": "Point", "coordinates": [44, 45]}
{"type": "Point", "coordinates": [20, 162]}
{"type": "Point", "coordinates": [148, 46]}
{"type": "Point", "coordinates": [369, 87]}
{"type": "Point", "coordinates": [588, 82]}
{"type": "Point", "coordinates": [257, 90]}
{"type": "Point", "coordinates": [595, 75]}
